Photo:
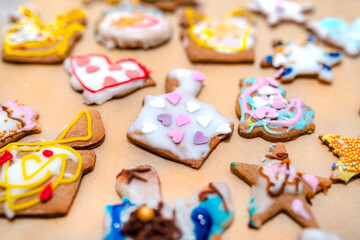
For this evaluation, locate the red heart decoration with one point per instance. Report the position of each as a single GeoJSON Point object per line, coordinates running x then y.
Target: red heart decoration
{"type": "Point", "coordinates": [92, 68]}
{"type": "Point", "coordinates": [82, 61]}
{"type": "Point", "coordinates": [132, 73]}
{"type": "Point", "coordinates": [109, 81]}
{"type": "Point", "coordinates": [115, 67]}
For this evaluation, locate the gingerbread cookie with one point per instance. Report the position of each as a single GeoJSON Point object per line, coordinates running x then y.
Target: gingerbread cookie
{"type": "Point", "coordinates": [133, 26]}
{"type": "Point", "coordinates": [278, 187]}
{"type": "Point", "coordinates": [264, 112]}
{"type": "Point", "coordinates": [176, 125]}
{"type": "Point", "coordinates": [277, 11]}
{"type": "Point", "coordinates": [171, 5]}
{"type": "Point", "coordinates": [28, 40]}
{"type": "Point", "coordinates": [144, 215]}
{"type": "Point", "coordinates": [108, 1]}
{"type": "Point", "coordinates": [316, 234]}
{"type": "Point", "coordinates": [40, 179]}
{"type": "Point", "coordinates": [100, 80]}
{"type": "Point", "coordinates": [339, 33]}
{"type": "Point", "coordinates": [302, 60]}
{"type": "Point", "coordinates": [348, 152]}
{"type": "Point", "coordinates": [230, 40]}
{"type": "Point", "coordinates": [16, 122]}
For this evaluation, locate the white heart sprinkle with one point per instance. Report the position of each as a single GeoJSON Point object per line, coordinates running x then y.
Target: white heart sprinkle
{"type": "Point", "coordinates": [267, 90]}
{"type": "Point", "coordinates": [148, 127]}
{"type": "Point", "coordinates": [223, 129]}
{"type": "Point", "coordinates": [204, 120]}
{"type": "Point", "coordinates": [158, 103]}
{"type": "Point", "coordinates": [259, 102]}
{"type": "Point", "coordinates": [192, 106]}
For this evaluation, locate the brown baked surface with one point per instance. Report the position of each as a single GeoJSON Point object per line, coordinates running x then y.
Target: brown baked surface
{"type": "Point", "coordinates": [46, 88]}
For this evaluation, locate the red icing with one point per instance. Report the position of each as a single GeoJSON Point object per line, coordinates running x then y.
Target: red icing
{"type": "Point", "coordinates": [46, 194]}
{"type": "Point", "coordinates": [115, 67]}
{"type": "Point", "coordinates": [92, 68]}
{"type": "Point", "coordinates": [132, 73]}
{"type": "Point", "coordinates": [82, 61]}
{"type": "Point", "coordinates": [5, 157]}
{"type": "Point", "coordinates": [109, 81]}
{"type": "Point", "coordinates": [48, 153]}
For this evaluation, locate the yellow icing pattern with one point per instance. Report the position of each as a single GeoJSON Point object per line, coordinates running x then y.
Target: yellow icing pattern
{"type": "Point", "coordinates": [38, 186]}
{"type": "Point", "coordinates": [348, 150]}
{"type": "Point", "coordinates": [53, 37]}
{"type": "Point", "coordinates": [219, 31]}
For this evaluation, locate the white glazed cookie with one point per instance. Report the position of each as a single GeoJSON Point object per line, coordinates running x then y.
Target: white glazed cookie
{"type": "Point", "coordinates": [101, 80]}
{"type": "Point", "coordinates": [302, 60]}
{"type": "Point", "coordinates": [316, 234]}
{"type": "Point", "coordinates": [178, 126]}
{"type": "Point", "coordinates": [281, 10]}
{"type": "Point", "coordinates": [339, 33]}
{"type": "Point", "coordinates": [133, 26]}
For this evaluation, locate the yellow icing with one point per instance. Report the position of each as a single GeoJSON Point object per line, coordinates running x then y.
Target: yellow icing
{"type": "Point", "coordinates": [58, 34]}
{"type": "Point", "coordinates": [218, 30]}
{"type": "Point", "coordinates": [37, 187]}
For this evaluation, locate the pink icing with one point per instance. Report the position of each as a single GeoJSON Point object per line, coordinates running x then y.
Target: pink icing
{"type": "Point", "coordinates": [265, 112]}
{"type": "Point", "coordinates": [182, 119]}
{"type": "Point", "coordinates": [311, 180]}
{"type": "Point", "coordinates": [198, 76]}
{"type": "Point", "coordinates": [92, 68]}
{"type": "Point", "coordinates": [176, 135]}
{"type": "Point", "coordinates": [173, 97]}
{"type": "Point", "coordinates": [82, 61]}
{"type": "Point", "coordinates": [297, 207]}
{"type": "Point", "coordinates": [132, 73]}
{"type": "Point", "coordinates": [109, 81]}
{"type": "Point", "coordinates": [278, 102]}
{"type": "Point", "coordinates": [274, 170]}
{"type": "Point", "coordinates": [287, 123]}
{"type": "Point", "coordinates": [115, 67]}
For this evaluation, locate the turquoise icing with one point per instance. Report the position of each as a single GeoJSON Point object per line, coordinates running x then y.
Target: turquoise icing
{"type": "Point", "coordinates": [252, 210]}
{"type": "Point", "coordinates": [306, 118]}
{"type": "Point", "coordinates": [214, 206]}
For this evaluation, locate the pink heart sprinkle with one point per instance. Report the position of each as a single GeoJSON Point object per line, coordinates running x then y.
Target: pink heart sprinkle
{"type": "Point", "coordinates": [198, 76]}
{"type": "Point", "coordinates": [165, 119]}
{"type": "Point", "coordinates": [176, 135]}
{"type": "Point", "coordinates": [132, 73]}
{"type": "Point", "coordinates": [199, 138]}
{"type": "Point", "coordinates": [272, 113]}
{"type": "Point", "coordinates": [82, 61]}
{"type": "Point", "coordinates": [278, 103]}
{"type": "Point", "coordinates": [109, 81]}
{"type": "Point", "coordinates": [92, 68]}
{"type": "Point", "coordinates": [173, 97]}
{"type": "Point", "coordinates": [182, 119]}
{"type": "Point", "coordinates": [261, 112]}
{"type": "Point", "coordinates": [115, 67]}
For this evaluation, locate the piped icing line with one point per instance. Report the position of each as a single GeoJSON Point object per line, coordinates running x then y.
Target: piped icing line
{"type": "Point", "coordinates": [144, 72]}
{"type": "Point", "coordinates": [15, 117]}
{"type": "Point", "coordinates": [55, 164]}
{"type": "Point", "coordinates": [276, 118]}
{"type": "Point", "coordinates": [211, 33]}
{"type": "Point", "coordinates": [30, 33]}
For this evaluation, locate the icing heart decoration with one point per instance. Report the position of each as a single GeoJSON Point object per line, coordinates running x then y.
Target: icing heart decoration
{"type": "Point", "coordinates": [173, 97]}
{"type": "Point", "coordinates": [200, 139]}
{"type": "Point", "coordinates": [224, 129]}
{"type": "Point", "coordinates": [176, 135]}
{"type": "Point", "coordinates": [165, 119]}
{"type": "Point", "coordinates": [182, 119]}
{"type": "Point", "coordinates": [148, 127]}
{"type": "Point", "coordinates": [277, 102]}
{"type": "Point", "coordinates": [47, 193]}
{"type": "Point", "coordinates": [266, 112]}
{"type": "Point", "coordinates": [259, 102]}
{"type": "Point", "coordinates": [198, 76]}
{"type": "Point", "coordinates": [96, 72]}
{"type": "Point", "coordinates": [204, 121]}
{"type": "Point", "coordinates": [192, 107]}
{"type": "Point", "coordinates": [158, 102]}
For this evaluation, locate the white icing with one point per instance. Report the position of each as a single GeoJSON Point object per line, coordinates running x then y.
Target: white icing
{"type": "Point", "coordinates": [132, 37]}
{"type": "Point", "coordinates": [316, 234]}
{"type": "Point", "coordinates": [188, 88]}
{"type": "Point", "coordinates": [259, 102]}
{"type": "Point", "coordinates": [192, 106]}
{"type": "Point", "coordinates": [157, 102]}
{"type": "Point", "coordinates": [277, 10]}
{"type": "Point", "coordinates": [204, 121]}
{"type": "Point", "coordinates": [148, 127]}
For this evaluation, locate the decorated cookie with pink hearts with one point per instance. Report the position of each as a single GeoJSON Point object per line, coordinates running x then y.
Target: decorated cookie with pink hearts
{"type": "Point", "coordinates": [176, 125]}
{"type": "Point", "coordinates": [264, 112]}
{"type": "Point", "coordinates": [100, 80]}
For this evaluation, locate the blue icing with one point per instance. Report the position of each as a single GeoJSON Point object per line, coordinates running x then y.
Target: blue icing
{"type": "Point", "coordinates": [334, 54]}
{"type": "Point", "coordinates": [326, 67]}
{"type": "Point", "coordinates": [249, 80]}
{"type": "Point", "coordinates": [215, 214]}
{"type": "Point", "coordinates": [252, 210]}
{"type": "Point", "coordinates": [311, 38]}
{"type": "Point", "coordinates": [287, 71]}
{"type": "Point", "coordinates": [114, 212]}
{"type": "Point", "coordinates": [268, 59]}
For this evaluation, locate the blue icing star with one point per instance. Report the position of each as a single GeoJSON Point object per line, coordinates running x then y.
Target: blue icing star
{"type": "Point", "coordinates": [268, 59]}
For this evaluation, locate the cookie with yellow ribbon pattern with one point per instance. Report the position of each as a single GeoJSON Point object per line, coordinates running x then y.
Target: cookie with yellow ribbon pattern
{"type": "Point", "coordinates": [28, 40]}
{"type": "Point", "coordinates": [229, 40]}
{"type": "Point", "coordinates": [41, 179]}
{"type": "Point", "coordinates": [176, 125]}
{"type": "Point", "coordinates": [144, 215]}
{"type": "Point", "coordinates": [348, 151]}
{"type": "Point", "coordinates": [278, 187]}
{"type": "Point", "coordinates": [171, 5]}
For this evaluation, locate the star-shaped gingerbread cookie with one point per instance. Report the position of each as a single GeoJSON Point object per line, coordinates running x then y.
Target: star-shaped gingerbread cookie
{"type": "Point", "coordinates": [176, 125]}
{"type": "Point", "coordinates": [278, 187]}
{"type": "Point", "coordinates": [41, 179]}
{"type": "Point", "coordinates": [277, 11]}
{"type": "Point", "coordinates": [348, 151]}
{"type": "Point", "coordinates": [305, 59]}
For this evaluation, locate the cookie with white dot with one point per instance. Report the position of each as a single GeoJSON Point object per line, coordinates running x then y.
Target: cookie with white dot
{"type": "Point", "coordinates": [305, 60]}
{"type": "Point", "coordinates": [176, 125]}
